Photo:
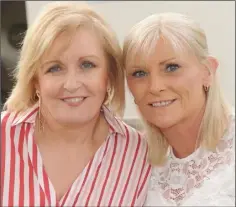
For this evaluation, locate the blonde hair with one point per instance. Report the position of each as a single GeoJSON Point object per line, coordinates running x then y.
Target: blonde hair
{"type": "Point", "coordinates": [56, 18]}
{"type": "Point", "coordinates": [184, 35]}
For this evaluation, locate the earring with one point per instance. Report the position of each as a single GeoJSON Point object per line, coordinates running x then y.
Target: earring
{"type": "Point", "coordinates": [109, 96]}
{"type": "Point", "coordinates": [206, 88]}
{"type": "Point", "coordinates": [41, 126]}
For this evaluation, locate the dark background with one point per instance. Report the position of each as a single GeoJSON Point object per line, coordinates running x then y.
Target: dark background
{"type": "Point", "coordinates": [13, 27]}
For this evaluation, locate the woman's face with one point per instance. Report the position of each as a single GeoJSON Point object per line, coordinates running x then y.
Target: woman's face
{"type": "Point", "coordinates": [169, 88]}
{"type": "Point", "coordinates": [73, 78]}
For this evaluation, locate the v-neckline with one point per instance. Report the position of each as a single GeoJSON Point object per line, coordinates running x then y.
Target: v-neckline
{"type": "Point", "coordinates": [37, 161]}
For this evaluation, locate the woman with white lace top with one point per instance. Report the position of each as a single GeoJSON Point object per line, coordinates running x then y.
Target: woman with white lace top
{"type": "Point", "coordinates": [189, 125]}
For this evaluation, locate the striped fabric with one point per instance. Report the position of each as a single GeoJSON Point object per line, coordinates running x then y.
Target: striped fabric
{"type": "Point", "coordinates": [117, 175]}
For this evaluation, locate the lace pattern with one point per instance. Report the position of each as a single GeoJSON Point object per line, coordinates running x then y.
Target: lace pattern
{"type": "Point", "coordinates": [180, 178]}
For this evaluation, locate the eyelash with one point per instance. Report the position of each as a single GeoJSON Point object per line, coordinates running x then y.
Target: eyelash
{"type": "Point", "coordinates": [92, 65]}
{"type": "Point", "coordinates": [168, 66]}
{"type": "Point", "coordinates": [135, 74]}
{"type": "Point", "coordinates": [58, 68]}
{"type": "Point", "coordinates": [53, 67]}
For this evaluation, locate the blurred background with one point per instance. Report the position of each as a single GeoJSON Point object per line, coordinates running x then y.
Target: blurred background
{"type": "Point", "coordinates": [216, 17]}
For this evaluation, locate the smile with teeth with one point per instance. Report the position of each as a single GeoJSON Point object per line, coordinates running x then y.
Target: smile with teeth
{"type": "Point", "coordinates": [162, 103]}
{"type": "Point", "coordinates": [74, 100]}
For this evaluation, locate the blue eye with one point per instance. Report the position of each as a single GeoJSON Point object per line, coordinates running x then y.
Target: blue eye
{"type": "Point", "coordinates": [172, 67]}
{"type": "Point", "coordinates": [53, 69]}
{"type": "Point", "coordinates": [87, 65]}
{"type": "Point", "coordinates": [139, 74]}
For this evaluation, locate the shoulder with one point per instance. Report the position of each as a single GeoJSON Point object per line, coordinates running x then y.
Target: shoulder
{"type": "Point", "coordinates": [134, 137]}
{"type": "Point", "coordinates": [7, 119]}
{"type": "Point", "coordinates": [229, 135]}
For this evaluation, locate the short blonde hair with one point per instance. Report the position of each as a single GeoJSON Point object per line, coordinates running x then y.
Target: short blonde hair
{"type": "Point", "coordinates": [184, 35]}
{"type": "Point", "coordinates": [56, 18]}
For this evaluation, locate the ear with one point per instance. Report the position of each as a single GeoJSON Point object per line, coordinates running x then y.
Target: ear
{"type": "Point", "coordinates": [36, 85]}
{"type": "Point", "coordinates": [211, 67]}
{"type": "Point", "coordinates": [212, 64]}
{"type": "Point", "coordinates": [108, 83]}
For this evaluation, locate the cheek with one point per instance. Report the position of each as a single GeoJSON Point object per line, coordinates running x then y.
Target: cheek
{"type": "Point", "coordinates": [138, 88]}
{"type": "Point", "coordinates": [98, 81]}
{"type": "Point", "coordinates": [49, 87]}
{"type": "Point", "coordinates": [188, 88]}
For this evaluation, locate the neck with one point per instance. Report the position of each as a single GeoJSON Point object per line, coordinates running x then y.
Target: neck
{"type": "Point", "coordinates": [184, 137]}
{"type": "Point", "coordinates": [76, 133]}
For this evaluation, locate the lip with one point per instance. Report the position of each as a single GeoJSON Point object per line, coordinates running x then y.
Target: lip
{"type": "Point", "coordinates": [73, 104]}
{"type": "Point", "coordinates": [155, 102]}
{"type": "Point", "coordinates": [68, 97]}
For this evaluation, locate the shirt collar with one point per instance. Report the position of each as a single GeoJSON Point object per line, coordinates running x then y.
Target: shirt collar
{"type": "Point", "coordinates": [29, 116]}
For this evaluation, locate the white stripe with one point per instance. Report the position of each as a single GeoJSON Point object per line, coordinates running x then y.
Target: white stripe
{"type": "Point", "coordinates": [26, 172]}
{"type": "Point", "coordinates": [40, 174]}
{"type": "Point", "coordinates": [137, 167]}
{"type": "Point", "coordinates": [8, 149]}
{"type": "Point", "coordinates": [125, 169]}
{"type": "Point", "coordinates": [52, 194]}
{"type": "Point", "coordinates": [91, 176]}
{"type": "Point", "coordinates": [36, 191]}
{"type": "Point", "coordinates": [111, 181]}
{"type": "Point", "coordinates": [17, 167]}
{"type": "Point", "coordinates": [102, 173]}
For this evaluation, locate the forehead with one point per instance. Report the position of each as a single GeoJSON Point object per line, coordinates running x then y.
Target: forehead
{"type": "Point", "coordinates": [82, 41]}
{"type": "Point", "coordinates": [162, 50]}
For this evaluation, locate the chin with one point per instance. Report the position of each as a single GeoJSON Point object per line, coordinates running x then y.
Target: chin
{"type": "Point", "coordinates": [72, 119]}
{"type": "Point", "coordinates": [164, 122]}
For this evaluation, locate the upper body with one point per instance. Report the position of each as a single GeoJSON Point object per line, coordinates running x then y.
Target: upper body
{"type": "Point", "coordinates": [189, 124]}
{"type": "Point", "coordinates": [117, 174]}
{"type": "Point", "coordinates": [62, 144]}
{"type": "Point", "coordinates": [203, 178]}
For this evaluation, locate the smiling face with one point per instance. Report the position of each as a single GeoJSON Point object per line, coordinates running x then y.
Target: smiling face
{"type": "Point", "coordinates": [73, 78]}
{"type": "Point", "coordinates": [168, 89]}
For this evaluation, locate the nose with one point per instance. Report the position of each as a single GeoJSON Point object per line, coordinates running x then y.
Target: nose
{"type": "Point", "coordinates": [73, 81]}
{"type": "Point", "coordinates": [156, 83]}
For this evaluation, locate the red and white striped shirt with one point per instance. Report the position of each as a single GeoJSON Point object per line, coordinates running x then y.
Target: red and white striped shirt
{"type": "Point", "coordinates": [117, 175]}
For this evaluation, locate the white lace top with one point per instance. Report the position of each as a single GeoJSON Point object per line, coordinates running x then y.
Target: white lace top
{"type": "Point", "coordinates": [203, 178]}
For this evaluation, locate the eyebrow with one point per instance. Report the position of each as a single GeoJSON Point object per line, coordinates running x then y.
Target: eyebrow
{"type": "Point", "coordinates": [49, 61]}
{"type": "Point", "coordinates": [161, 63]}
{"type": "Point", "coordinates": [164, 61]}
{"type": "Point", "coordinates": [89, 56]}
{"type": "Point", "coordinates": [59, 61]}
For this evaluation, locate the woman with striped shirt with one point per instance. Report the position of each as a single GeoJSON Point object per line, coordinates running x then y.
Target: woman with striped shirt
{"type": "Point", "coordinates": [62, 141]}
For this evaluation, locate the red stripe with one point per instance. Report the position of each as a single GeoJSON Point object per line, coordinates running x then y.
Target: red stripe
{"type": "Point", "coordinates": [113, 130]}
{"type": "Point", "coordinates": [21, 145]}
{"type": "Point", "coordinates": [46, 186]}
{"type": "Point", "coordinates": [42, 197]}
{"type": "Point", "coordinates": [30, 114]}
{"type": "Point", "coordinates": [108, 172]}
{"type": "Point", "coordinates": [12, 167]}
{"type": "Point", "coordinates": [120, 170]}
{"type": "Point", "coordinates": [132, 166]}
{"type": "Point", "coordinates": [3, 153]}
{"type": "Point", "coordinates": [31, 173]}
{"type": "Point", "coordinates": [96, 175]}
{"type": "Point", "coordinates": [145, 179]}
{"type": "Point", "coordinates": [65, 198]}
{"type": "Point", "coordinates": [85, 179]}
{"type": "Point", "coordinates": [139, 180]}
{"type": "Point", "coordinates": [35, 158]}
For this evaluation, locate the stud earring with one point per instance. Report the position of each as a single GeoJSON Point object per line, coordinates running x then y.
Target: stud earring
{"type": "Point", "coordinates": [206, 88]}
